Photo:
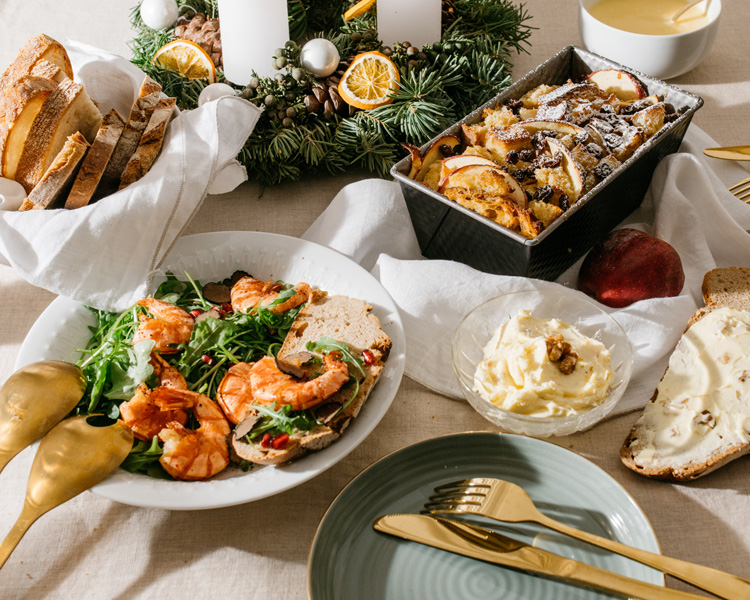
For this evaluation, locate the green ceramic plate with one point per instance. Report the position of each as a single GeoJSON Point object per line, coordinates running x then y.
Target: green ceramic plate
{"type": "Point", "coordinates": [349, 560]}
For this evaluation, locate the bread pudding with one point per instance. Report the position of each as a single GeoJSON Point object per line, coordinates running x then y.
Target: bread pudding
{"type": "Point", "coordinates": [532, 158]}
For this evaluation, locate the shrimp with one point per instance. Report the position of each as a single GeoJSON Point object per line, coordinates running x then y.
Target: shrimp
{"type": "Point", "coordinates": [201, 453]}
{"type": "Point", "coordinates": [144, 414]}
{"type": "Point", "coordinates": [169, 327]}
{"type": "Point", "coordinates": [263, 383]}
{"type": "Point", "coordinates": [250, 293]}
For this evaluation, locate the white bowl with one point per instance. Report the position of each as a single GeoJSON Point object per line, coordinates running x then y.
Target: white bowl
{"type": "Point", "coordinates": [660, 56]}
{"type": "Point", "coordinates": [478, 326]}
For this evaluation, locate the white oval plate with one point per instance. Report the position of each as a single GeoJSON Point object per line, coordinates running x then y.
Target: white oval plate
{"type": "Point", "coordinates": [62, 329]}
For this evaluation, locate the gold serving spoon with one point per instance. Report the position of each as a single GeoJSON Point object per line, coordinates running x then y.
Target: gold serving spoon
{"type": "Point", "coordinates": [687, 7]}
{"type": "Point", "coordinates": [71, 458]}
{"type": "Point", "coordinates": [33, 400]}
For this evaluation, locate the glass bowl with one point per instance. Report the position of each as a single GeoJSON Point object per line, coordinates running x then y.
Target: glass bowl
{"type": "Point", "coordinates": [478, 326]}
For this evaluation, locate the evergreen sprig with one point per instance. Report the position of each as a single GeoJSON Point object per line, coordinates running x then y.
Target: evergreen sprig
{"type": "Point", "coordinates": [466, 69]}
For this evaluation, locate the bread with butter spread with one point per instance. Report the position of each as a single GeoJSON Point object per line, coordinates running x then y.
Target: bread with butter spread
{"type": "Point", "coordinates": [699, 416]}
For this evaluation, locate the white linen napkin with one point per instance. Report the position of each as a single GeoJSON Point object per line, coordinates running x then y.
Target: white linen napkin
{"type": "Point", "coordinates": [105, 254]}
{"type": "Point", "coordinates": [687, 205]}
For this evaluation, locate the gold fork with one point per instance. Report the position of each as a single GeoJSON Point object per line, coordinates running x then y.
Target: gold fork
{"type": "Point", "coordinates": [505, 501]}
{"type": "Point", "coordinates": [741, 189]}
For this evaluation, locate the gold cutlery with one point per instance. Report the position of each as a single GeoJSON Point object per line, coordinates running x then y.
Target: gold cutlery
{"type": "Point", "coordinates": [741, 189]}
{"type": "Point", "coordinates": [483, 544]}
{"type": "Point", "coordinates": [70, 459]}
{"type": "Point", "coordinates": [508, 502]}
{"type": "Point", "coordinates": [33, 400]}
{"type": "Point", "coordinates": [729, 152]}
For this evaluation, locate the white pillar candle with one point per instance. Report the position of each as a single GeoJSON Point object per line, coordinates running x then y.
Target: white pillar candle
{"type": "Point", "coordinates": [415, 21]}
{"type": "Point", "coordinates": [250, 32]}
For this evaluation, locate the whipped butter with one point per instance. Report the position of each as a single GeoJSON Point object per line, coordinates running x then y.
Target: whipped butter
{"type": "Point", "coordinates": [518, 375]}
{"type": "Point", "coordinates": [703, 401]}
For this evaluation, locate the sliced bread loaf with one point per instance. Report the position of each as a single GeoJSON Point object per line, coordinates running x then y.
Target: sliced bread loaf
{"type": "Point", "coordinates": [343, 319]}
{"type": "Point", "coordinates": [92, 169]}
{"type": "Point", "coordinates": [127, 144]}
{"type": "Point", "coordinates": [698, 418]}
{"type": "Point", "coordinates": [58, 178]}
{"type": "Point", "coordinates": [66, 110]}
{"type": "Point", "coordinates": [22, 100]}
{"type": "Point", "coordinates": [150, 143]}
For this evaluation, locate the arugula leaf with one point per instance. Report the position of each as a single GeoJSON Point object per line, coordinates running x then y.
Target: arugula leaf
{"type": "Point", "coordinates": [207, 334]}
{"type": "Point", "coordinates": [144, 458]}
{"type": "Point", "coordinates": [126, 378]}
{"type": "Point", "coordinates": [283, 420]}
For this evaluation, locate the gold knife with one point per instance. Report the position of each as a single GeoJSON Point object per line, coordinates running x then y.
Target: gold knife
{"type": "Point", "coordinates": [487, 545]}
{"type": "Point", "coordinates": [729, 152]}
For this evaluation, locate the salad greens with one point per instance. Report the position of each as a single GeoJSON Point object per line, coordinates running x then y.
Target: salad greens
{"type": "Point", "coordinates": [114, 367]}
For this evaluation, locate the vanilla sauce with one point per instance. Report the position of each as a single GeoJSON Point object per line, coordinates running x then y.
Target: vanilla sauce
{"type": "Point", "coordinates": [650, 17]}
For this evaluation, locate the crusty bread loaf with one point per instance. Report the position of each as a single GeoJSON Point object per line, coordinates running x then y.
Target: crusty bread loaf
{"type": "Point", "coordinates": [346, 320]}
{"type": "Point", "coordinates": [22, 100]}
{"type": "Point", "coordinates": [150, 143]}
{"type": "Point", "coordinates": [92, 169]}
{"type": "Point", "coordinates": [66, 110]}
{"type": "Point", "coordinates": [59, 176]}
{"type": "Point", "coordinates": [127, 144]}
{"type": "Point", "coordinates": [698, 417]}
{"type": "Point", "coordinates": [39, 48]}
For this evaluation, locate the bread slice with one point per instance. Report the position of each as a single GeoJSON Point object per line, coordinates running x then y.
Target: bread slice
{"type": "Point", "coordinates": [346, 320]}
{"type": "Point", "coordinates": [698, 418]}
{"type": "Point", "coordinates": [150, 143]}
{"type": "Point", "coordinates": [22, 101]}
{"type": "Point", "coordinates": [66, 110]}
{"type": "Point", "coordinates": [92, 169]}
{"type": "Point", "coordinates": [38, 48]}
{"type": "Point", "coordinates": [59, 177]}
{"type": "Point", "coordinates": [149, 87]}
{"type": "Point", "coordinates": [140, 115]}
{"type": "Point", "coordinates": [49, 70]}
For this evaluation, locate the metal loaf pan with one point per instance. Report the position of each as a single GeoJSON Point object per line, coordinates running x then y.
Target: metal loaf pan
{"type": "Point", "coordinates": [446, 230]}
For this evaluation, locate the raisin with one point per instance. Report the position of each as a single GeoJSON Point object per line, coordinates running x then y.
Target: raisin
{"type": "Point", "coordinates": [549, 162]}
{"type": "Point", "coordinates": [669, 118]}
{"type": "Point", "coordinates": [519, 175]}
{"type": "Point", "coordinates": [581, 138]}
{"type": "Point", "coordinates": [446, 150]}
{"type": "Point", "coordinates": [594, 150]}
{"type": "Point", "coordinates": [607, 108]}
{"type": "Point", "coordinates": [544, 193]}
{"type": "Point", "coordinates": [514, 105]}
{"type": "Point", "coordinates": [527, 155]}
{"type": "Point", "coordinates": [563, 202]}
{"type": "Point", "coordinates": [612, 140]}
{"type": "Point", "coordinates": [603, 170]}
{"type": "Point", "coordinates": [512, 157]}
{"type": "Point", "coordinates": [539, 140]}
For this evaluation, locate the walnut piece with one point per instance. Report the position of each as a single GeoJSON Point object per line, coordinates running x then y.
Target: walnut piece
{"type": "Point", "coordinates": [562, 353]}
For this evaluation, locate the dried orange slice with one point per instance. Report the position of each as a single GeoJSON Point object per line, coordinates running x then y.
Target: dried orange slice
{"type": "Point", "coordinates": [368, 80]}
{"type": "Point", "coordinates": [359, 9]}
{"type": "Point", "coordinates": [187, 58]}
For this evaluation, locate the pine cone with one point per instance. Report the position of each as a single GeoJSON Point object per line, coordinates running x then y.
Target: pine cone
{"type": "Point", "coordinates": [325, 99]}
{"type": "Point", "coordinates": [204, 32]}
{"type": "Point", "coordinates": [449, 13]}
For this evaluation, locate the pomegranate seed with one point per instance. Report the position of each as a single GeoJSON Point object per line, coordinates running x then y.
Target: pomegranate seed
{"type": "Point", "coordinates": [207, 359]}
{"type": "Point", "coordinates": [280, 441]}
{"type": "Point", "coordinates": [369, 357]}
{"type": "Point", "coordinates": [266, 441]}
{"type": "Point", "coordinates": [196, 312]}
{"type": "Point", "coordinates": [227, 308]}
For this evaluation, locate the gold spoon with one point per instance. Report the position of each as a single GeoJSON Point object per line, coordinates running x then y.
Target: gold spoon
{"type": "Point", "coordinates": [70, 459]}
{"type": "Point", "coordinates": [33, 400]}
{"type": "Point", "coordinates": [687, 7]}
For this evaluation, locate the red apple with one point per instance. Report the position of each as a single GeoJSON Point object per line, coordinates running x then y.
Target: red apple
{"type": "Point", "coordinates": [629, 265]}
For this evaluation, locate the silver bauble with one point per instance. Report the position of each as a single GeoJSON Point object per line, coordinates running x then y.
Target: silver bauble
{"type": "Point", "coordinates": [320, 57]}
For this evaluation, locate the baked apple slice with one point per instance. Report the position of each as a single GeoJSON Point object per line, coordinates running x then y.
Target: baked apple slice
{"type": "Point", "coordinates": [571, 168]}
{"type": "Point", "coordinates": [416, 160]}
{"type": "Point", "coordinates": [561, 127]}
{"type": "Point", "coordinates": [436, 152]}
{"type": "Point", "coordinates": [620, 83]}
{"type": "Point", "coordinates": [453, 163]}
{"type": "Point", "coordinates": [491, 180]}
